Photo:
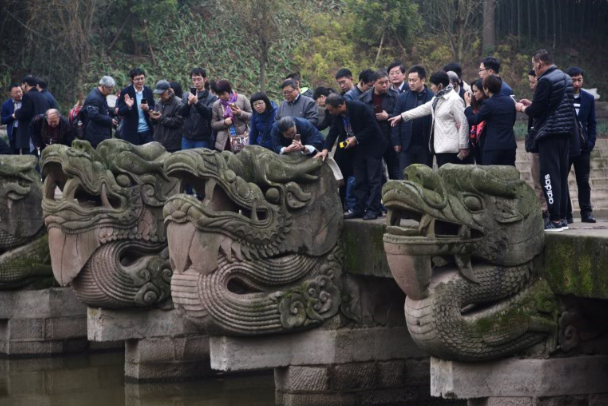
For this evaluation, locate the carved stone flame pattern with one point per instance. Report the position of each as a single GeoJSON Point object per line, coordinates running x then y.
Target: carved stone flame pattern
{"type": "Point", "coordinates": [256, 250]}
{"type": "Point", "coordinates": [467, 266]}
{"type": "Point", "coordinates": [103, 210]}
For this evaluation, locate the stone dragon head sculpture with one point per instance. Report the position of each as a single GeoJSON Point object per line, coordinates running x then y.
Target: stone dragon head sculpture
{"type": "Point", "coordinates": [255, 249]}
{"type": "Point", "coordinates": [24, 253]}
{"type": "Point", "coordinates": [103, 211]}
{"type": "Point", "coordinates": [465, 261]}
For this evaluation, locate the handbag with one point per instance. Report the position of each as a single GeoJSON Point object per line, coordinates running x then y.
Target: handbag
{"type": "Point", "coordinates": [531, 141]}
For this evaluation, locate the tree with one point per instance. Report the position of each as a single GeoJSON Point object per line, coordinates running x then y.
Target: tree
{"type": "Point", "coordinates": [260, 21]}
{"type": "Point", "coordinates": [489, 26]}
{"type": "Point", "coordinates": [384, 22]}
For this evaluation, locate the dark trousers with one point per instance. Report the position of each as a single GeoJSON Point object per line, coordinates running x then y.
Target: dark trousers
{"type": "Point", "coordinates": [368, 183]}
{"type": "Point", "coordinates": [582, 168]}
{"type": "Point", "coordinates": [391, 159]}
{"type": "Point", "coordinates": [452, 158]}
{"type": "Point", "coordinates": [344, 159]}
{"type": "Point", "coordinates": [138, 138]}
{"type": "Point", "coordinates": [414, 154]}
{"type": "Point", "coordinates": [554, 168]}
{"type": "Point", "coordinates": [499, 157]}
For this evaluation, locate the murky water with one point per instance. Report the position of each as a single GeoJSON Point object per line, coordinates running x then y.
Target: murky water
{"type": "Point", "coordinates": [98, 380]}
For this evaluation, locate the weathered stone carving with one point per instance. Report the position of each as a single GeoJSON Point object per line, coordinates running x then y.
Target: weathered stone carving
{"type": "Point", "coordinates": [467, 268]}
{"type": "Point", "coordinates": [106, 230]}
{"type": "Point", "coordinates": [24, 252]}
{"type": "Point", "coordinates": [257, 251]}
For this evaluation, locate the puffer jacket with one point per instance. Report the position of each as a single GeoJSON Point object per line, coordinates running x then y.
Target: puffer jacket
{"type": "Point", "coordinates": [98, 125]}
{"type": "Point", "coordinates": [450, 129]}
{"type": "Point", "coordinates": [560, 119]}
{"type": "Point", "coordinates": [240, 122]}
{"type": "Point", "coordinates": [260, 127]}
{"type": "Point", "coordinates": [169, 128]}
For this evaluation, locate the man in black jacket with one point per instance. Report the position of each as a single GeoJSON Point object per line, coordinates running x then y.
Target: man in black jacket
{"type": "Point", "coordinates": [382, 98]}
{"type": "Point", "coordinates": [411, 139]}
{"type": "Point", "coordinates": [584, 104]}
{"type": "Point", "coordinates": [552, 109]}
{"type": "Point", "coordinates": [32, 104]}
{"type": "Point", "coordinates": [98, 122]}
{"type": "Point", "coordinates": [50, 128]}
{"type": "Point", "coordinates": [356, 128]}
{"type": "Point", "coordinates": [196, 110]}
{"type": "Point", "coordinates": [134, 105]}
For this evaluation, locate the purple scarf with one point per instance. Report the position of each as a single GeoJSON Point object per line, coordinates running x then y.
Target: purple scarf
{"type": "Point", "coordinates": [227, 110]}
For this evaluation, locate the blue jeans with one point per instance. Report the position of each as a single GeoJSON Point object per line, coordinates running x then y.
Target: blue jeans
{"type": "Point", "coordinates": [190, 144]}
{"type": "Point", "coordinates": [350, 197]}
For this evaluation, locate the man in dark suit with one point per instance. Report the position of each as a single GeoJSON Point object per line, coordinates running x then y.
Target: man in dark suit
{"type": "Point", "coordinates": [356, 128]}
{"type": "Point", "coordinates": [33, 103]}
{"type": "Point", "coordinates": [285, 131]}
{"type": "Point", "coordinates": [134, 105]}
{"type": "Point", "coordinates": [8, 116]}
{"type": "Point", "coordinates": [411, 139]}
{"type": "Point", "coordinates": [584, 104]}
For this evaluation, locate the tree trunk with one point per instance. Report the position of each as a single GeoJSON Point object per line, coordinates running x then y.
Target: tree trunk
{"type": "Point", "coordinates": [379, 50]}
{"type": "Point", "coordinates": [488, 37]}
{"type": "Point", "coordinates": [263, 59]}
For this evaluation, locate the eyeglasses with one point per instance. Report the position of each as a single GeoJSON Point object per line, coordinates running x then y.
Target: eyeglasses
{"type": "Point", "coordinates": [482, 69]}
{"type": "Point", "coordinates": [288, 92]}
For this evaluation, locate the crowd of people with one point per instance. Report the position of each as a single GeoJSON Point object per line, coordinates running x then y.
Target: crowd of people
{"type": "Point", "coordinates": [378, 125]}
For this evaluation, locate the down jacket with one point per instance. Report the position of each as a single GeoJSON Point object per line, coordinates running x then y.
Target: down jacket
{"type": "Point", "coordinates": [450, 129]}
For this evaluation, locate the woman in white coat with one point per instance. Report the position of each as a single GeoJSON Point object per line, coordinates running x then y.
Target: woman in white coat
{"type": "Point", "coordinates": [450, 135]}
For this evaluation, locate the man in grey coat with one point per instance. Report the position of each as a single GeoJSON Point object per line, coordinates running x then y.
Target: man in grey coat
{"type": "Point", "coordinates": [296, 105]}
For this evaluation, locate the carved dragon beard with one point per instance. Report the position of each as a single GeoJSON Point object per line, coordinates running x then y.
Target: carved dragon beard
{"type": "Point", "coordinates": [466, 299]}
{"type": "Point", "coordinates": [239, 269]}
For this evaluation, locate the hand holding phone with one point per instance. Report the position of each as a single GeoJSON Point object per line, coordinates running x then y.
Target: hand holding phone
{"type": "Point", "coordinates": [144, 101]}
{"type": "Point", "coordinates": [297, 137]}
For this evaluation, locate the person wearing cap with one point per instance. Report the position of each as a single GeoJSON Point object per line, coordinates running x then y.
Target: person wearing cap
{"type": "Point", "coordinates": [134, 103]}
{"type": "Point", "coordinates": [166, 117]}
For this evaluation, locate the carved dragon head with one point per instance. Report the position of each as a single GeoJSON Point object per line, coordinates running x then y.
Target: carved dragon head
{"type": "Point", "coordinates": [465, 214]}
{"type": "Point", "coordinates": [253, 216]}
{"type": "Point", "coordinates": [20, 196]}
{"type": "Point", "coordinates": [97, 196]}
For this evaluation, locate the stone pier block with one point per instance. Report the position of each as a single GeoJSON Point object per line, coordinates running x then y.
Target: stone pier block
{"type": "Point", "coordinates": [316, 347]}
{"type": "Point", "coordinates": [520, 378]}
{"type": "Point", "coordinates": [41, 322]}
{"type": "Point", "coordinates": [167, 359]}
{"type": "Point", "coordinates": [160, 345]}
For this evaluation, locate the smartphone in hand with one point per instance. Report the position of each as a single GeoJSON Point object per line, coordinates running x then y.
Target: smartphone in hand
{"type": "Point", "coordinates": [144, 101]}
{"type": "Point", "coordinates": [193, 91]}
{"type": "Point", "coordinates": [377, 108]}
{"type": "Point", "coordinates": [297, 137]}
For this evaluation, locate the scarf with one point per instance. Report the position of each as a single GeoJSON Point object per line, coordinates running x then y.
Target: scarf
{"type": "Point", "coordinates": [476, 132]}
{"type": "Point", "coordinates": [227, 110]}
{"type": "Point", "coordinates": [442, 93]}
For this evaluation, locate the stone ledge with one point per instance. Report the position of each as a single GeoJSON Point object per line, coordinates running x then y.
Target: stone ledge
{"type": "Point", "coordinates": [119, 325]}
{"type": "Point", "coordinates": [520, 377]}
{"type": "Point", "coordinates": [316, 347]}
{"type": "Point", "coordinates": [364, 249]}
{"type": "Point", "coordinates": [40, 304]}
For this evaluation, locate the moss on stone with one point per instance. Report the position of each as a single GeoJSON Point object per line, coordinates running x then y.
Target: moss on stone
{"type": "Point", "coordinates": [364, 249]}
{"type": "Point", "coordinates": [577, 265]}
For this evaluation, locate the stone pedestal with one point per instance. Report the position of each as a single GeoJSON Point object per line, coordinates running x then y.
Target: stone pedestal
{"type": "Point", "coordinates": [160, 345]}
{"type": "Point", "coordinates": [37, 323]}
{"type": "Point", "coordinates": [571, 381]}
{"type": "Point", "coordinates": [346, 366]}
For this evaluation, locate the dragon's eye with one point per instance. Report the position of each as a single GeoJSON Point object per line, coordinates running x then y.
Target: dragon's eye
{"type": "Point", "coordinates": [473, 203]}
{"type": "Point", "coordinates": [123, 180]}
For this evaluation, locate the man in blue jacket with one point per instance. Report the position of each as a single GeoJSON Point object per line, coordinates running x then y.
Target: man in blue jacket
{"type": "Point", "coordinates": [134, 105]}
{"type": "Point", "coordinates": [98, 121]}
{"type": "Point", "coordinates": [355, 127]}
{"type": "Point", "coordinates": [8, 110]}
{"type": "Point", "coordinates": [584, 104]}
{"type": "Point", "coordinates": [284, 136]}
